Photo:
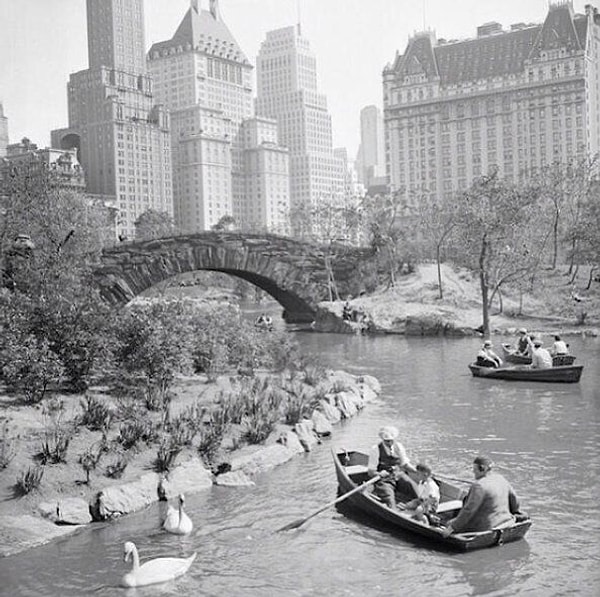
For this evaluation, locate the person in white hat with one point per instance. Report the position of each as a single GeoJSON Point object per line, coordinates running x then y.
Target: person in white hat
{"type": "Point", "coordinates": [388, 459]}
{"type": "Point", "coordinates": [486, 357]}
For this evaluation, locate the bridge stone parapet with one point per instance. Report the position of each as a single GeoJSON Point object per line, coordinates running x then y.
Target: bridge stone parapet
{"type": "Point", "coordinates": [297, 274]}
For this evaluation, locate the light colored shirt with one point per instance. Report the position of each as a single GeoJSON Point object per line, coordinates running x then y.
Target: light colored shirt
{"type": "Point", "coordinates": [541, 359]}
{"type": "Point", "coordinates": [428, 490]}
{"type": "Point", "coordinates": [396, 450]}
{"type": "Point", "coordinates": [560, 347]}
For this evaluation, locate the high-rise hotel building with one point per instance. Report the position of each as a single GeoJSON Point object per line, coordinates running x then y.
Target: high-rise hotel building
{"type": "Point", "coordinates": [122, 135]}
{"type": "Point", "coordinates": [287, 92]}
{"type": "Point", "coordinates": [371, 160]}
{"type": "Point", "coordinates": [513, 100]}
{"type": "Point", "coordinates": [225, 163]}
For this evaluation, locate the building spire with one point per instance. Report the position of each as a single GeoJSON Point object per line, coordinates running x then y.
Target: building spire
{"type": "Point", "coordinates": [214, 9]}
{"type": "Point", "coordinates": [299, 26]}
{"type": "Point", "coordinates": [194, 5]}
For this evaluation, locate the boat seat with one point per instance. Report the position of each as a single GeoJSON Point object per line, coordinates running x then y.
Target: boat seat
{"type": "Point", "coordinates": [356, 469]}
{"type": "Point", "coordinates": [449, 505]}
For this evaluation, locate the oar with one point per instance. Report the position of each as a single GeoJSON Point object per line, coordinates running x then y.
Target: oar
{"type": "Point", "coordinates": [447, 478]}
{"type": "Point", "coordinates": [301, 521]}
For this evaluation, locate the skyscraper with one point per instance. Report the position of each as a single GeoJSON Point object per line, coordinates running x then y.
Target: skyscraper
{"type": "Point", "coordinates": [372, 148]}
{"type": "Point", "coordinates": [205, 80]}
{"type": "Point", "coordinates": [287, 92]}
{"type": "Point", "coordinates": [513, 100]}
{"type": "Point", "coordinates": [3, 131]}
{"type": "Point", "coordinates": [122, 136]}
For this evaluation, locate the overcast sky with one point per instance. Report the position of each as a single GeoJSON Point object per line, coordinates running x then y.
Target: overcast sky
{"type": "Point", "coordinates": [43, 41]}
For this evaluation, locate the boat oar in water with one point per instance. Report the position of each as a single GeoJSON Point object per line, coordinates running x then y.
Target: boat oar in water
{"type": "Point", "coordinates": [301, 521]}
{"type": "Point", "coordinates": [447, 478]}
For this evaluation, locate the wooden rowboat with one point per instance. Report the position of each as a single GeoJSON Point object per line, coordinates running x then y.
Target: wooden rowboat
{"type": "Point", "coordinates": [351, 471]}
{"type": "Point", "coordinates": [510, 356]}
{"type": "Point", "coordinates": [565, 374]}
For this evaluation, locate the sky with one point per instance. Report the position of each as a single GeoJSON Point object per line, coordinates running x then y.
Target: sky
{"type": "Point", "coordinates": [43, 41]}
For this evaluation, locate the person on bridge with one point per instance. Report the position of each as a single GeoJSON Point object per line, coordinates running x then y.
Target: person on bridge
{"type": "Point", "coordinates": [388, 459]}
{"type": "Point", "coordinates": [490, 504]}
{"type": "Point", "coordinates": [263, 321]}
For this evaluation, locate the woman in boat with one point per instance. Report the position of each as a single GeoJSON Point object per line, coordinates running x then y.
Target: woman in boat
{"type": "Point", "coordinates": [486, 357]}
{"type": "Point", "coordinates": [388, 459]}
{"type": "Point", "coordinates": [491, 502]}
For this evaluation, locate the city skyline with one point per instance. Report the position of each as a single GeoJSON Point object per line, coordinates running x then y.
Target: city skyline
{"type": "Point", "coordinates": [338, 38]}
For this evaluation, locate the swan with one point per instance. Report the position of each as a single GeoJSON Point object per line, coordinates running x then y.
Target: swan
{"type": "Point", "coordinates": [153, 571]}
{"type": "Point", "coordinates": [176, 520]}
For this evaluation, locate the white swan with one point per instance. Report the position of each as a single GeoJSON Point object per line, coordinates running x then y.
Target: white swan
{"type": "Point", "coordinates": [153, 571]}
{"type": "Point", "coordinates": [177, 521]}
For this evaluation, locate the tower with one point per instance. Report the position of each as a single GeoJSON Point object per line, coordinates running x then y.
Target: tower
{"type": "Point", "coordinates": [122, 136]}
{"type": "Point", "coordinates": [3, 131]}
{"type": "Point", "coordinates": [287, 92]}
{"type": "Point", "coordinates": [372, 155]}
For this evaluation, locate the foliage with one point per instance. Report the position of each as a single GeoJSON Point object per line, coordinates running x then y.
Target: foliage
{"type": "Point", "coordinates": [136, 430]}
{"type": "Point", "coordinates": [8, 442]}
{"type": "Point", "coordinates": [89, 459]}
{"type": "Point", "coordinates": [168, 450]}
{"type": "Point", "coordinates": [154, 224]}
{"type": "Point", "coordinates": [57, 435]}
{"type": "Point", "coordinates": [96, 414]}
{"type": "Point", "coordinates": [116, 467]}
{"type": "Point", "coordinates": [299, 403]}
{"type": "Point", "coordinates": [29, 365]}
{"type": "Point", "coordinates": [29, 480]}
{"type": "Point", "coordinates": [262, 413]}
{"type": "Point", "coordinates": [225, 223]}
{"type": "Point", "coordinates": [211, 434]}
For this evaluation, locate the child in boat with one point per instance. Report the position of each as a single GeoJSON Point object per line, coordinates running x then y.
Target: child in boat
{"type": "Point", "coordinates": [428, 495]}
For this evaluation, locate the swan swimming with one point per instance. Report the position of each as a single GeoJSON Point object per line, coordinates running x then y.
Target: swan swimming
{"type": "Point", "coordinates": [177, 521]}
{"type": "Point", "coordinates": [152, 571]}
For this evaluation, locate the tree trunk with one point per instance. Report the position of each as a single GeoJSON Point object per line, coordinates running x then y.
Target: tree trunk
{"type": "Point", "coordinates": [555, 240]}
{"type": "Point", "coordinates": [439, 272]}
{"type": "Point", "coordinates": [484, 289]}
{"type": "Point", "coordinates": [591, 278]}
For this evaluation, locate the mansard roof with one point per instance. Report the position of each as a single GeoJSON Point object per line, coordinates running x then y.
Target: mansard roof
{"type": "Point", "coordinates": [492, 55]}
{"type": "Point", "coordinates": [200, 30]}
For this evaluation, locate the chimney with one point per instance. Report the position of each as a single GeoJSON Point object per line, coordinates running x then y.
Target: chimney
{"type": "Point", "coordinates": [489, 29]}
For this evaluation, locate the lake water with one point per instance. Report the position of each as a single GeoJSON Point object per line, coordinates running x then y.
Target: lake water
{"type": "Point", "coordinates": [543, 437]}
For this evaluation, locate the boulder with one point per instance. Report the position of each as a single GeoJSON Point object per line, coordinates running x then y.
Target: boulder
{"type": "Point", "coordinates": [291, 441]}
{"type": "Point", "coordinates": [370, 381]}
{"type": "Point", "coordinates": [234, 479]}
{"type": "Point", "coordinates": [306, 434]}
{"type": "Point", "coordinates": [262, 460]}
{"type": "Point", "coordinates": [115, 501]}
{"type": "Point", "coordinates": [321, 424]}
{"type": "Point", "coordinates": [188, 477]}
{"type": "Point", "coordinates": [346, 404]}
{"type": "Point", "coordinates": [367, 393]}
{"type": "Point", "coordinates": [331, 412]}
{"type": "Point", "coordinates": [71, 510]}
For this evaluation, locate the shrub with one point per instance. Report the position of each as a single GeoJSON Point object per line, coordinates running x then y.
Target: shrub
{"type": "Point", "coordinates": [299, 402]}
{"type": "Point", "coordinates": [211, 434]}
{"type": "Point", "coordinates": [136, 430]}
{"type": "Point", "coordinates": [89, 460]}
{"type": "Point", "coordinates": [29, 480]}
{"type": "Point", "coordinates": [30, 366]}
{"type": "Point", "coordinates": [262, 414]}
{"type": "Point", "coordinates": [57, 436]}
{"type": "Point", "coordinates": [8, 443]}
{"type": "Point", "coordinates": [116, 468]}
{"type": "Point", "coordinates": [167, 453]}
{"type": "Point", "coordinates": [96, 415]}
{"type": "Point", "coordinates": [314, 375]}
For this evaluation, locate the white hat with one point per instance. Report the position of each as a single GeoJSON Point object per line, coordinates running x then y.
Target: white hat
{"type": "Point", "coordinates": [388, 432]}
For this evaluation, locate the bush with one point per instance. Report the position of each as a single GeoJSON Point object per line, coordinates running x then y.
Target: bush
{"type": "Point", "coordinates": [29, 480]}
{"type": "Point", "coordinates": [116, 468]}
{"type": "Point", "coordinates": [96, 415]}
{"type": "Point", "coordinates": [262, 414]}
{"type": "Point", "coordinates": [211, 434]}
{"type": "Point", "coordinates": [167, 453]}
{"type": "Point", "coordinates": [299, 402]}
{"type": "Point", "coordinates": [30, 366]}
{"type": "Point", "coordinates": [8, 443]}
{"type": "Point", "coordinates": [56, 435]}
{"type": "Point", "coordinates": [89, 460]}
{"type": "Point", "coordinates": [136, 430]}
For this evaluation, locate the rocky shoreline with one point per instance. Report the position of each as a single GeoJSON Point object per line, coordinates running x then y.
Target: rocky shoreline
{"type": "Point", "coordinates": [68, 515]}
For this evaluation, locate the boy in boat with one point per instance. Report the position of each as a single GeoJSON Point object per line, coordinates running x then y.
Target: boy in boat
{"type": "Point", "coordinates": [428, 495]}
{"type": "Point", "coordinates": [490, 504]}
{"type": "Point", "coordinates": [388, 459]}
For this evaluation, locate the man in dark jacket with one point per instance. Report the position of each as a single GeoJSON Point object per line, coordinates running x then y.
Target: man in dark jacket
{"type": "Point", "coordinates": [490, 503]}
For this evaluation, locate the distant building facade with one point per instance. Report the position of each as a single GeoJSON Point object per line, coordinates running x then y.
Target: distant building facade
{"type": "Point", "coordinates": [3, 131]}
{"type": "Point", "coordinates": [122, 136]}
{"type": "Point", "coordinates": [287, 92]}
{"type": "Point", "coordinates": [371, 158]}
{"type": "Point", "coordinates": [512, 101]}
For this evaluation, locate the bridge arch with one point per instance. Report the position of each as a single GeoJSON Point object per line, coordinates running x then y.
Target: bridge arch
{"type": "Point", "coordinates": [295, 273]}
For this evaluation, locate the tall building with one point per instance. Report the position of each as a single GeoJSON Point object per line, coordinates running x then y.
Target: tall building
{"type": "Point", "coordinates": [3, 131]}
{"type": "Point", "coordinates": [205, 80]}
{"type": "Point", "coordinates": [287, 92]}
{"type": "Point", "coordinates": [513, 100]}
{"type": "Point", "coordinates": [371, 162]}
{"type": "Point", "coordinates": [122, 136]}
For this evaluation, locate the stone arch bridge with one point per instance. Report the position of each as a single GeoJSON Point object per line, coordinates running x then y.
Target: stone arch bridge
{"type": "Point", "coordinates": [295, 273]}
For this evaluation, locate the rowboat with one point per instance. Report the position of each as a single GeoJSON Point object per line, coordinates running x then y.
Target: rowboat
{"type": "Point", "coordinates": [564, 374]}
{"type": "Point", "coordinates": [510, 356]}
{"type": "Point", "coordinates": [351, 471]}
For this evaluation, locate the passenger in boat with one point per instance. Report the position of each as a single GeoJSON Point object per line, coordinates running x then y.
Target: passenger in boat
{"type": "Point", "coordinates": [540, 357]}
{"type": "Point", "coordinates": [491, 502]}
{"type": "Point", "coordinates": [428, 495]}
{"type": "Point", "coordinates": [389, 460]}
{"type": "Point", "coordinates": [559, 347]}
{"type": "Point", "coordinates": [486, 357]}
{"type": "Point", "coordinates": [523, 343]}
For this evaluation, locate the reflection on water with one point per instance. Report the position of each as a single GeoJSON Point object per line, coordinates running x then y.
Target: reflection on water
{"type": "Point", "coordinates": [544, 438]}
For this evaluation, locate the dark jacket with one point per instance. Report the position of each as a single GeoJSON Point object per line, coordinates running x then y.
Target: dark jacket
{"type": "Point", "coordinates": [490, 503]}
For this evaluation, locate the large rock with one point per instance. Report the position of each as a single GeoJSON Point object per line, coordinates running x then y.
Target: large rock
{"type": "Point", "coordinates": [321, 424]}
{"type": "Point", "coordinates": [330, 411]}
{"type": "Point", "coordinates": [113, 502]}
{"type": "Point", "coordinates": [18, 533]}
{"type": "Point", "coordinates": [306, 434]}
{"type": "Point", "coordinates": [262, 460]}
{"type": "Point", "coordinates": [372, 382]}
{"type": "Point", "coordinates": [234, 479]}
{"type": "Point", "coordinates": [71, 510]}
{"type": "Point", "coordinates": [346, 403]}
{"type": "Point", "coordinates": [188, 477]}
